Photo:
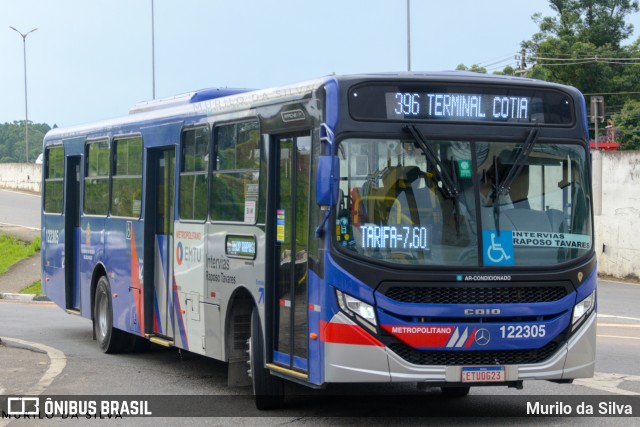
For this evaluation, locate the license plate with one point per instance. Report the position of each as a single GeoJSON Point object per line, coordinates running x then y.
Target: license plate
{"type": "Point", "coordinates": [489, 374]}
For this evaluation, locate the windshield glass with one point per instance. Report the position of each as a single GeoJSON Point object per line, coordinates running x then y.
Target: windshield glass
{"type": "Point", "coordinates": [397, 206]}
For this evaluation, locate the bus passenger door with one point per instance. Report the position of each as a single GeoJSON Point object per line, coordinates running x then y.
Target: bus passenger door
{"type": "Point", "coordinates": [72, 234]}
{"type": "Point", "coordinates": [163, 182]}
{"type": "Point", "coordinates": [290, 277]}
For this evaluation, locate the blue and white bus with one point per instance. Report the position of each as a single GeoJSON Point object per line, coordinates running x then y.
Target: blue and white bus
{"type": "Point", "coordinates": [433, 228]}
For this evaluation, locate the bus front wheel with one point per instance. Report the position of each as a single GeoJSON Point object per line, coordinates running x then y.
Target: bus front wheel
{"type": "Point", "coordinates": [109, 338]}
{"type": "Point", "coordinates": [268, 390]}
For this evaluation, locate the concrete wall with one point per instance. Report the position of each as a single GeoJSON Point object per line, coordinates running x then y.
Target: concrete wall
{"type": "Point", "coordinates": [616, 198]}
{"type": "Point", "coordinates": [21, 176]}
{"type": "Point", "coordinates": [617, 213]}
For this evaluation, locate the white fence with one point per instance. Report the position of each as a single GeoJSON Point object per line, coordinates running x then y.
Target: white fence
{"type": "Point", "coordinates": [21, 176]}
{"type": "Point", "coordinates": [616, 197]}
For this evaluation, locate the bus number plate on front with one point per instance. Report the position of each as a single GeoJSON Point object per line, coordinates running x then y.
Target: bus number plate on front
{"type": "Point", "coordinates": [489, 374]}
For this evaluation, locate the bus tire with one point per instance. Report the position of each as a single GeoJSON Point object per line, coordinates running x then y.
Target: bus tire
{"type": "Point", "coordinates": [109, 338]}
{"type": "Point", "coordinates": [455, 391]}
{"type": "Point", "coordinates": [268, 390]}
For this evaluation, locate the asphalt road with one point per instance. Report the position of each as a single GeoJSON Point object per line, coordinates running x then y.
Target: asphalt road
{"type": "Point", "coordinates": [21, 209]}
{"type": "Point", "coordinates": [87, 371]}
{"type": "Point", "coordinates": [69, 362]}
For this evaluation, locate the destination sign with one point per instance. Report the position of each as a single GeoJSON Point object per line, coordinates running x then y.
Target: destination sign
{"type": "Point", "coordinates": [476, 103]}
{"type": "Point", "coordinates": [463, 106]}
{"type": "Point", "coordinates": [395, 237]}
{"type": "Point", "coordinates": [241, 247]}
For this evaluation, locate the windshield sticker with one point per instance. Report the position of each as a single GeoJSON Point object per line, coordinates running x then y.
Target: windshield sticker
{"type": "Point", "coordinates": [551, 240]}
{"type": "Point", "coordinates": [464, 168]}
{"type": "Point", "coordinates": [280, 222]}
{"type": "Point", "coordinates": [497, 247]}
{"type": "Point", "coordinates": [249, 212]}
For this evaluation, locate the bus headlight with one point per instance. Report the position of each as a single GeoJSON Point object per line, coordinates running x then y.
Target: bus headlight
{"type": "Point", "coordinates": [582, 309]}
{"type": "Point", "coordinates": [354, 307]}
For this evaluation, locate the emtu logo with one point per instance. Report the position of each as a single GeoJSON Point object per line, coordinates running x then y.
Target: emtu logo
{"type": "Point", "coordinates": [179, 253]}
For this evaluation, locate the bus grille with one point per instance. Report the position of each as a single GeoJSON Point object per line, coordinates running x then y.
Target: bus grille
{"type": "Point", "coordinates": [464, 358]}
{"type": "Point", "coordinates": [468, 295]}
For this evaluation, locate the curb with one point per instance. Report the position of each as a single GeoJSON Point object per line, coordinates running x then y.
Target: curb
{"type": "Point", "coordinates": [23, 297]}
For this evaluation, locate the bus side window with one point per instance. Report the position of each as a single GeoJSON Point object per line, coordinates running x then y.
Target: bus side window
{"type": "Point", "coordinates": [194, 171]}
{"type": "Point", "coordinates": [54, 179]}
{"type": "Point", "coordinates": [96, 181]}
{"type": "Point", "coordinates": [126, 184]}
{"type": "Point", "coordinates": [236, 171]}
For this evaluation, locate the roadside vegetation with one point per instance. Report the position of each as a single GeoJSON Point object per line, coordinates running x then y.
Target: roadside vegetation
{"type": "Point", "coordinates": [36, 289]}
{"type": "Point", "coordinates": [14, 250]}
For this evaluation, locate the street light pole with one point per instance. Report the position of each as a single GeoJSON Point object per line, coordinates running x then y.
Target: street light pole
{"type": "Point", "coordinates": [153, 53]}
{"type": "Point", "coordinates": [26, 109]}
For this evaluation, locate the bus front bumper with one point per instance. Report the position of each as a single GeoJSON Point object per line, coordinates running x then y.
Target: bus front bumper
{"type": "Point", "coordinates": [346, 363]}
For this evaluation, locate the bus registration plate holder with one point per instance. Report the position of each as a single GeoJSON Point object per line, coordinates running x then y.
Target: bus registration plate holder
{"type": "Point", "coordinates": [483, 374]}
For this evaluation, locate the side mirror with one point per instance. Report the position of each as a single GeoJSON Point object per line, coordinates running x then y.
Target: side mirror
{"type": "Point", "coordinates": [327, 180]}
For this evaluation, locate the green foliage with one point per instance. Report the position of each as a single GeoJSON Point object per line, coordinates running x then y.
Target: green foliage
{"type": "Point", "coordinates": [582, 46]}
{"type": "Point", "coordinates": [36, 289]}
{"type": "Point", "coordinates": [14, 250]}
{"type": "Point", "coordinates": [35, 244]}
{"type": "Point", "coordinates": [475, 68]}
{"type": "Point", "coordinates": [507, 71]}
{"type": "Point", "coordinates": [12, 149]}
{"type": "Point", "coordinates": [627, 122]}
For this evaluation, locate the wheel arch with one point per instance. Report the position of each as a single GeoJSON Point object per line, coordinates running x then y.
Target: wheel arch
{"type": "Point", "coordinates": [98, 271]}
{"type": "Point", "coordinates": [237, 326]}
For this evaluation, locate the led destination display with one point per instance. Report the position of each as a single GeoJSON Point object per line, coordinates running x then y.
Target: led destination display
{"type": "Point", "coordinates": [491, 104]}
{"type": "Point", "coordinates": [395, 237]}
{"type": "Point", "coordinates": [457, 106]}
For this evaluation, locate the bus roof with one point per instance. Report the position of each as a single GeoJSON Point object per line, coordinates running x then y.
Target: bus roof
{"type": "Point", "coordinates": [222, 100]}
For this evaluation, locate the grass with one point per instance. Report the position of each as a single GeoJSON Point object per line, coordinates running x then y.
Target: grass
{"type": "Point", "coordinates": [14, 250]}
{"type": "Point", "coordinates": [36, 288]}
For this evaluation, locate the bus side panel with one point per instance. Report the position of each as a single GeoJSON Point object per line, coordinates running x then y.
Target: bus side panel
{"type": "Point", "coordinates": [188, 268]}
{"type": "Point", "coordinates": [124, 263]}
{"type": "Point", "coordinates": [316, 346]}
{"type": "Point", "coordinates": [53, 258]}
{"type": "Point", "coordinates": [224, 274]}
{"type": "Point", "coordinates": [91, 253]}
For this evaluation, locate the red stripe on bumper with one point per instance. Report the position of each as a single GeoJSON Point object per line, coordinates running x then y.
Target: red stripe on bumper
{"type": "Point", "coordinates": [340, 333]}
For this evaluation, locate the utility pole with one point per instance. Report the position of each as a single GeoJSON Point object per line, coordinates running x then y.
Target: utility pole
{"type": "Point", "coordinates": [153, 53]}
{"type": "Point", "coordinates": [523, 62]}
{"type": "Point", "coordinates": [597, 113]}
{"type": "Point", "coordinates": [26, 109]}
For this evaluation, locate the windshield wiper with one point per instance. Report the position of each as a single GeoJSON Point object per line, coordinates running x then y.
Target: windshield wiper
{"type": "Point", "coordinates": [503, 187]}
{"type": "Point", "coordinates": [449, 187]}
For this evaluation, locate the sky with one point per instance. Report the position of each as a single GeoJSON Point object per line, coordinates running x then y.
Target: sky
{"type": "Point", "coordinates": [91, 60]}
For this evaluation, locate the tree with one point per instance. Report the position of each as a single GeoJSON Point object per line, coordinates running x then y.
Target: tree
{"type": "Point", "coordinates": [475, 68]}
{"type": "Point", "coordinates": [12, 148]}
{"type": "Point", "coordinates": [582, 46]}
{"type": "Point", "coordinates": [627, 122]}
{"type": "Point", "coordinates": [507, 71]}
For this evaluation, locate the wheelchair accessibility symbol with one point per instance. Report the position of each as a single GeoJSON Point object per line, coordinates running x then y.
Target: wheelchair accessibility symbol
{"type": "Point", "coordinates": [498, 248]}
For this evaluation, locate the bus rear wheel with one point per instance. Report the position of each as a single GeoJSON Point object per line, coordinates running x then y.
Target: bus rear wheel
{"type": "Point", "coordinates": [268, 390]}
{"type": "Point", "coordinates": [109, 339]}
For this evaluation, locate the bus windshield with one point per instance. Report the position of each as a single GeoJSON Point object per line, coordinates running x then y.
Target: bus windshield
{"type": "Point", "coordinates": [397, 203]}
